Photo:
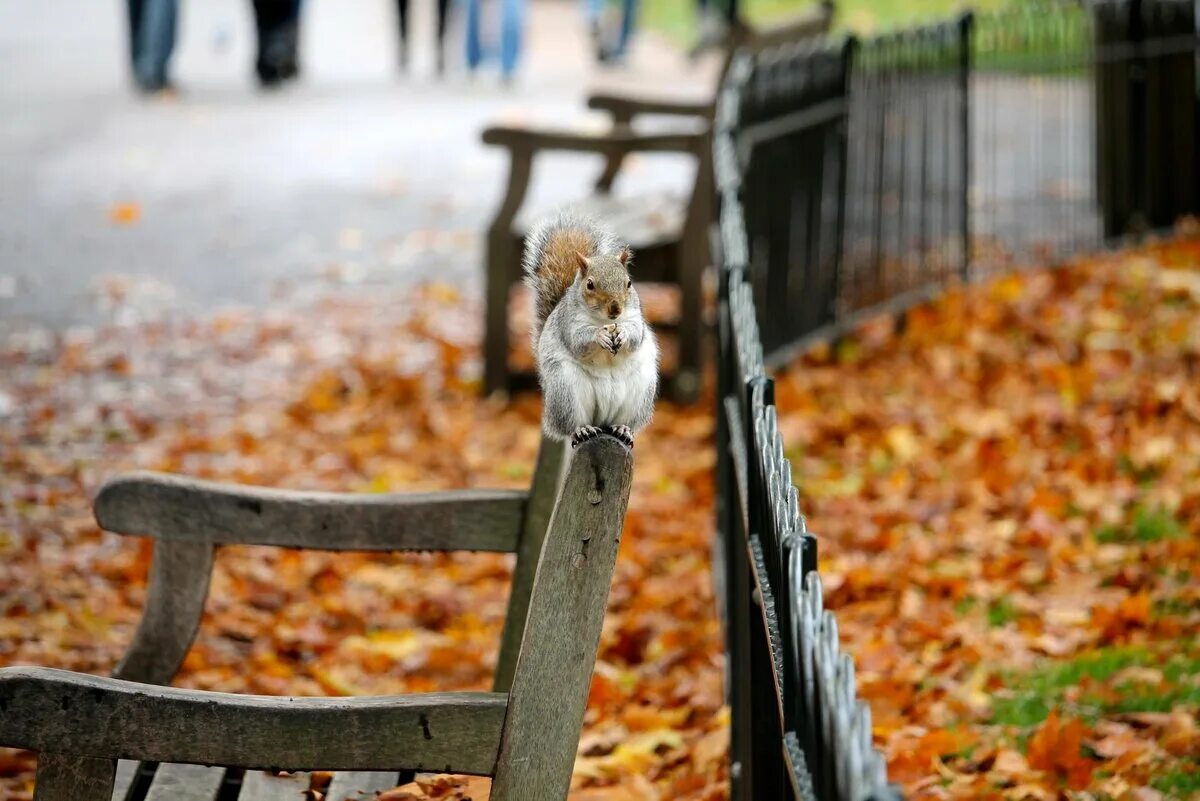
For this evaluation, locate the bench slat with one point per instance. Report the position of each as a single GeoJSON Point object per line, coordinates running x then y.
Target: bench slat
{"type": "Point", "coordinates": [171, 507]}
{"type": "Point", "coordinates": [358, 785]}
{"type": "Point", "coordinates": [82, 715]}
{"type": "Point", "coordinates": [126, 772]}
{"type": "Point", "coordinates": [185, 783]}
{"type": "Point", "coordinates": [259, 786]}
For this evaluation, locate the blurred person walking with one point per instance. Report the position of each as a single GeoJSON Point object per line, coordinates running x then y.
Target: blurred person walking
{"type": "Point", "coordinates": [443, 11]}
{"type": "Point", "coordinates": [606, 49]}
{"type": "Point", "coordinates": [152, 26]}
{"type": "Point", "coordinates": [512, 21]}
{"type": "Point", "coordinates": [278, 24]}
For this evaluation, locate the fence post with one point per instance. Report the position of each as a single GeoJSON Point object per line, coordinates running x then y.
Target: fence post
{"type": "Point", "coordinates": [966, 25]}
{"type": "Point", "coordinates": [849, 48]}
{"type": "Point", "coordinates": [1138, 120]}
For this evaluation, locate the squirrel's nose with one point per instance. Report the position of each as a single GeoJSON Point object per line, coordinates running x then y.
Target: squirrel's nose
{"type": "Point", "coordinates": [614, 310]}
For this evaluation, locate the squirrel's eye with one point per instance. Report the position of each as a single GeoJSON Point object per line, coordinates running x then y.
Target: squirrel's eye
{"type": "Point", "coordinates": [590, 285]}
{"type": "Point", "coordinates": [628, 283]}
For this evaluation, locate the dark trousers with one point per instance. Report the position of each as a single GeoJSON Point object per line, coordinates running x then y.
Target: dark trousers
{"type": "Point", "coordinates": [443, 11]}
{"type": "Point", "coordinates": [151, 39]}
{"type": "Point", "coordinates": [278, 23]}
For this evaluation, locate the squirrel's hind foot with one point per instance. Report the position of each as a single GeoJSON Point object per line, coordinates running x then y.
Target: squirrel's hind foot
{"type": "Point", "coordinates": [583, 434]}
{"type": "Point", "coordinates": [623, 433]}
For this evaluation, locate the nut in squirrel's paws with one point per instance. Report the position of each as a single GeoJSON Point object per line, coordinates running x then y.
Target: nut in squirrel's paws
{"type": "Point", "coordinates": [583, 434]}
{"type": "Point", "coordinates": [611, 338]}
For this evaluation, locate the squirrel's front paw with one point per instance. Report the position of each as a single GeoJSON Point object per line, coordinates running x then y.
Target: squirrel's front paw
{"type": "Point", "coordinates": [607, 338]}
{"type": "Point", "coordinates": [583, 434]}
{"type": "Point", "coordinates": [623, 433]}
{"type": "Point", "coordinates": [618, 339]}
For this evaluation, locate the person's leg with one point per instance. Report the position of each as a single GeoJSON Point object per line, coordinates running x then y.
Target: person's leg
{"type": "Point", "coordinates": [592, 13]}
{"type": "Point", "coordinates": [135, 25]}
{"type": "Point", "coordinates": [474, 46]}
{"type": "Point", "coordinates": [156, 41]}
{"type": "Point", "coordinates": [513, 20]}
{"type": "Point", "coordinates": [443, 12]}
{"type": "Point", "coordinates": [278, 35]}
{"type": "Point", "coordinates": [402, 19]}
{"type": "Point", "coordinates": [629, 10]}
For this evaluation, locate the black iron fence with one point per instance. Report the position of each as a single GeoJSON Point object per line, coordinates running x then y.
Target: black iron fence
{"type": "Point", "coordinates": [856, 177]}
{"type": "Point", "coordinates": [798, 730]}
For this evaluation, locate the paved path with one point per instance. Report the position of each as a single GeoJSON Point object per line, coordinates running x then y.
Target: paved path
{"type": "Point", "coordinates": [355, 175]}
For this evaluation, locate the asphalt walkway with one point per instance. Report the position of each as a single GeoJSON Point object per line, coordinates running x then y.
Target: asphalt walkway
{"type": "Point", "coordinates": [232, 196]}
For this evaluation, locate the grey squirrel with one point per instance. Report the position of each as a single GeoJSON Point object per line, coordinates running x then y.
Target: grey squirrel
{"type": "Point", "coordinates": [597, 360]}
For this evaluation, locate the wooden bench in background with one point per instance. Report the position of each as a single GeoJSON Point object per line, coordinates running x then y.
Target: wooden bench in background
{"type": "Point", "coordinates": [668, 234]}
{"type": "Point", "coordinates": [129, 738]}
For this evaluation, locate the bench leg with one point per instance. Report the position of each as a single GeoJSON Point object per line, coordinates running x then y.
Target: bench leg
{"type": "Point", "coordinates": [495, 344]}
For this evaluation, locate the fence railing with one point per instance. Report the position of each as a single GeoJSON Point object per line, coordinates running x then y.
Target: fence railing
{"type": "Point", "coordinates": [856, 177]}
{"type": "Point", "coordinates": [798, 729]}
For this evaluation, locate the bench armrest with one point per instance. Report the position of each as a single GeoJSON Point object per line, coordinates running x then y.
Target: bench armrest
{"type": "Point", "coordinates": [624, 108]}
{"type": "Point", "coordinates": [531, 140]}
{"type": "Point", "coordinates": [615, 145]}
{"type": "Point", "coordinates": [77, 715]}
{"type": "Point", "coordinates": [170, 507]}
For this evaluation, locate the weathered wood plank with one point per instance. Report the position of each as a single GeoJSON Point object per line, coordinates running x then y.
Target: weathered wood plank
{"type": "Point", "coordinates": [547, 478]}
{"type": "Point", "coordinates": [358, 785]}
{"type": "Point", "coordinates": [172, 507]}
{"type": "Point", "coordinates": [71, 713]}
{"type": "Point", "coordinates": [126, 772]}
{"type": "Point", "coordinates": [185, 783]}
{"type": "Point", "coordinates": [618, 141]}
{"type": "Point", "coordinates": [72, 778]}
{"type": "Point", "coordinates": [259, 786]}
{"type": "Point", "coordinates": [566, 610]}
{"type": "Point", "coordinates": [179, 576]}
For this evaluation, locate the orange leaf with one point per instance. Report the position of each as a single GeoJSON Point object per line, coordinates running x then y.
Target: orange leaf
{"type": "Point", "coordinates": [1055, 749]}
{"type": "Point", "coordinates": [124, 213]}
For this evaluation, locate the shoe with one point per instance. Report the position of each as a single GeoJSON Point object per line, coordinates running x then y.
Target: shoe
{"type": "Point", "coordinates": [157, 87]}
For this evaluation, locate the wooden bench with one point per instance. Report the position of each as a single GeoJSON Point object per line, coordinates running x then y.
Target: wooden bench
{"type": "Point", "coordinates": [669, 234]}
{"type": "Point", "coordinates": [127, 738]}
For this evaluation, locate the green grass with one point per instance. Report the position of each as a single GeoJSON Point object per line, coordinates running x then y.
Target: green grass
{"type": "Point", "coordinates": [1181, 782]}
{"type": "Point", "coordinates": [676, 19]}
{"type": "Point", "coordinates": [1148, 525]}
{"type": "Point", "coordinates": [1030, 696]}
{"type": "Point", "coordinates": [1001, 612]}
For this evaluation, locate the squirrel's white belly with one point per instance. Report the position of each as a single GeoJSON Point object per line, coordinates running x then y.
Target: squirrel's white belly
{"type": "Point", "coordinates": [613, 392]}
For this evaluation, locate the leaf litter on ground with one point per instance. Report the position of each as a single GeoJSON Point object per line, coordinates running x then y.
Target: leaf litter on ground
{"type": "Point", "coordinates": [1007, 495]}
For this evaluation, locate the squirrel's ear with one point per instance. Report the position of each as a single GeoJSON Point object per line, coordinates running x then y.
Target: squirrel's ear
{"type": "Point", "coordinates": [626, 255]}
{"type": "Point", "coordinates": [582, 261]}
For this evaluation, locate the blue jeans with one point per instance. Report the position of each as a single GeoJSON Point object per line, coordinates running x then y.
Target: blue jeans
{"type": "Point", "coordinates": [512, 19]}
{"type": "Point", "coordinates": [151, 39]}
{"type": "Point", "coordinates": [629, 8]}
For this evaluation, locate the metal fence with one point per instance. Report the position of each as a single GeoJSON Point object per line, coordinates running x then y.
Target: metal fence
{"type": "Point", "coordinates": [798, 729]}
{"type": "Point", "coordinates": [854, 177]}
{"type": "Point", "coordinates": [907, 219]}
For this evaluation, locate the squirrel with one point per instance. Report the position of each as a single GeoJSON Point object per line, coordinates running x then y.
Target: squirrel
{"type": "Point", "coordinates": [597, 359]}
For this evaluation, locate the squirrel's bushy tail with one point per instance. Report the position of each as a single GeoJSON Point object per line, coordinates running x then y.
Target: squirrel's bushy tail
{"type": "Point", "coordinates": [550, 262]}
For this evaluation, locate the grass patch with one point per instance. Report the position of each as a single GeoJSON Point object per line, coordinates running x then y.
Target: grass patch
{"type": "Point", "coordinates": [965, 604]}
{"type": "Point", "coordinates": [1030, 696]}
{"type": "Point", "coordinates": [676, 19]}
{"type": "Point", "coordinates": [1147, 525]}
{"type": "Point", "coordinates": [1179, 782]}
{"type": "Point", "coordinates": [1001, 612]}
{"type": "Point", "coordinates": [1170, 607]}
